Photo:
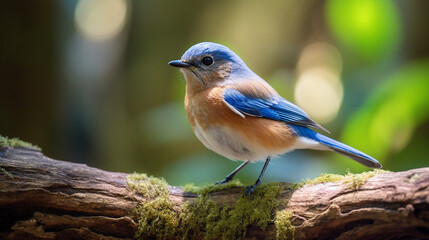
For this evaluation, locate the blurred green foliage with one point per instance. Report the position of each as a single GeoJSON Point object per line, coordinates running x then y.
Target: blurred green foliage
{"type": "Point", "coordinates": [371, 29]}
{"type": "Point", "coordinates": [387, 121]}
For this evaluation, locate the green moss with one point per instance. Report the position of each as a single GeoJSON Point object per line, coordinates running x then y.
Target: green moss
{"type": "Point", "coordinates": [412, 178]}
{"type": "Point", "coordinates": [6, 172]}
{"type": "Point", "coordinates": [206, 219]}
{"type": "Point", "coordinates": [150, 187]}
{"type": "Point", "coordinates": [211, 188]}
{"type": "Point", "coordinates": [354, 180]}
{"type": "Point", "coordinates": [285, 229]}
{"type": "Point", "coordinates": [157, 218]}
{"type": "Point", "coordinates": [203, 218]}
{"type": "Point", "coordinates": [15, 142]}
{"type": "Point", "coordinates": [231, 221]}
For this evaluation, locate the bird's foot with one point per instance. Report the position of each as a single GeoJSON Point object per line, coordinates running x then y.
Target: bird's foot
{"type": "Point", "coordinates": [250, 189]}
{"type": "Point", "coordinates": [227, 179]}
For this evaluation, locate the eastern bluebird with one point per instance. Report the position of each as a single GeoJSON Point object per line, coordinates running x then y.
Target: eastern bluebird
{"type": "Point", "coordinates": [238, 115]}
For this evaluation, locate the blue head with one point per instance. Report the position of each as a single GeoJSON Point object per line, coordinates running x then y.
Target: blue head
{"type": "Point", "coordinates": [206, 64]}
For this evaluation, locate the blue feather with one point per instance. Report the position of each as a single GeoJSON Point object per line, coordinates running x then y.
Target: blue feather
{"type": "Point", "coordinates": [275, 108]}
{"type": "Point", "coordinates": [338, 147]}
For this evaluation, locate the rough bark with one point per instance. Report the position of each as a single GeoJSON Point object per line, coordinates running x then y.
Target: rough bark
{"type": "Point", "coordinates": [51, 199]}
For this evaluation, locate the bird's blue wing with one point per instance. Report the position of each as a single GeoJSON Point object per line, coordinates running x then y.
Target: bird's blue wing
{"type": "Point", "coordinates": [275, 108]}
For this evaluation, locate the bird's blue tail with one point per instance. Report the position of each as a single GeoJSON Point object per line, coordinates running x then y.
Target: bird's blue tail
{"type": "Point", "coordinates": [338, 147]}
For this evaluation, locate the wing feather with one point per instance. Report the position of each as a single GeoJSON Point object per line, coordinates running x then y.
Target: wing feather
{"type": "Point", "coordinates": [275, 108]}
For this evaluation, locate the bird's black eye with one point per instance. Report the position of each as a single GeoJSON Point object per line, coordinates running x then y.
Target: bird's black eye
{"type": "Point", "coordinates": [207, 61]}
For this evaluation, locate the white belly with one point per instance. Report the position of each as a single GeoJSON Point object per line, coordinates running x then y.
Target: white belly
{"type": "Point", "coordinates": [228, 143]}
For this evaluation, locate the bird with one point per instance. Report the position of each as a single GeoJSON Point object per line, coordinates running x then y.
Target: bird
{"type": "Point", "coordinates": [238, 115]}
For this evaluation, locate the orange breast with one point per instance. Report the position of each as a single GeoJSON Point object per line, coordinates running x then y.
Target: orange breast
{"type": "Point", "coordinates": [208, 109]}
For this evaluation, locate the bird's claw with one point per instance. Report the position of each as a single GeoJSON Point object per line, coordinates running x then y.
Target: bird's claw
{"type": "Point", "coordinates": [223, 181]}
{"type": "Point", "coordinates": [250, 189]}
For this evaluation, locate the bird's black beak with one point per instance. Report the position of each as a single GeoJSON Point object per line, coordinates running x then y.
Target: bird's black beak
{"type": "Point", "coordinates": [179, 63]}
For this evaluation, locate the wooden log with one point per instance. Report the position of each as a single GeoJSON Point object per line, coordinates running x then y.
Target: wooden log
{"type": "Point", "coordinates": [42, 198]}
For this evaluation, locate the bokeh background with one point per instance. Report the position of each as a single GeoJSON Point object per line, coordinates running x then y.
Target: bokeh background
{"type": "Point", "coordinates": [88, 80]}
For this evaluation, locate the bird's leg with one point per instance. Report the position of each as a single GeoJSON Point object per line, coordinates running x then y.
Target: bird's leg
{"type": "Point", "coordinates": [250, 189]}
{"type": "Point", "coordinates": [230, 176]}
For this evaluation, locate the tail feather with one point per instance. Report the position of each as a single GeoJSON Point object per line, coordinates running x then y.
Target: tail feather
{"type": "Point", "coordinates": [338, 147]}
{"type": "Point", "coordinates": [348, 151]}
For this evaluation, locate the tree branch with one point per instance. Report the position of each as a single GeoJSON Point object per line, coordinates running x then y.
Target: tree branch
{"type": "Point", "coordinates": [43, 198]}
